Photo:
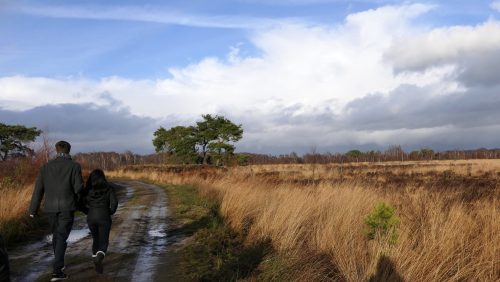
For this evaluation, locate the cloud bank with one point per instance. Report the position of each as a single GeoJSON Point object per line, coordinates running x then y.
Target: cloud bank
{"type": "Point", "coordinates": [381, 77]}
{"type": "Point", "coordinates": [88, 127]}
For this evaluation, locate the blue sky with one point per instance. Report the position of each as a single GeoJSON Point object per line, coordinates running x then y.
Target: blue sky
{"type": "Point", "coordinates": [37, 44]}
{"type": "Point", "coordinates": [286, 69]}
{"type": "Point", "coordinates": [34, 44]}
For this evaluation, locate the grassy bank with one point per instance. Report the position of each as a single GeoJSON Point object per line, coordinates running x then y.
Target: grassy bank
{"type": "Point", "coordinates": [16, 185]}
{"type": "Point", "coordinates": [214, 251]}
{"type": "Point", "coordinates": [15, 225]}
{"type": "Point", "coordinates": [211, 250]}
{"type": "Point", "coordinates": [314, 218]}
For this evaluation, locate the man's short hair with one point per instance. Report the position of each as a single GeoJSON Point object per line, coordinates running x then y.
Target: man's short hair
{"type": "Point", "coordinates": [63, 147]}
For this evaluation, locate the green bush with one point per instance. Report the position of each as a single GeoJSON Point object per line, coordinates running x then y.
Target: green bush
{"type": "Point", "coordinates": [382, 223]}
{"type": "Point", "coordinates": [243, 159]}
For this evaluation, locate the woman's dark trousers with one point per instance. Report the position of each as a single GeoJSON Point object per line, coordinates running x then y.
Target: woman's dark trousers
{"type": "Point", "coordinates": [99, 222]}
{"type": "Point", "coordinates": [60, 225]}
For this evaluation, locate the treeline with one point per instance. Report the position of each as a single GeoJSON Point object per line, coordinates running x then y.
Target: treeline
{"type": "Point", "coordinates": [393, 153]}
{"type": "Point", "coordinates": [210, 141]}
{"type": "Point", "coordinates": [113, 160]}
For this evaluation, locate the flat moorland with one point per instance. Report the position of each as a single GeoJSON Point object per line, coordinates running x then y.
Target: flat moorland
{"type": "Point", "coordinates": [416, 221]}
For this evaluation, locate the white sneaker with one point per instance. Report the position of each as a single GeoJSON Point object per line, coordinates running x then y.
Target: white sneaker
{"type": "Point", "coordinates": [99, 257]}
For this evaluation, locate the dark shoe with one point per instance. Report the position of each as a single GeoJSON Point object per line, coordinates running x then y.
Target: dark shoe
{"type": "Point", "coordinates": [59, 276]}
{"type": "Point", "coordinates": [99, 257]}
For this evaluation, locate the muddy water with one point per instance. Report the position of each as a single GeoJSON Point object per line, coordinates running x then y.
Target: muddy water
{"type": "Point", "coordinates": [139, 244]}
{"type": "Point", "coordinates": [156, 240]}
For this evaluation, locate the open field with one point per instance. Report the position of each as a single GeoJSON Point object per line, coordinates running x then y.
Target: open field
{"type": "Point", "coordinates": [314, 216]}
{"type": "Point", "coordinates": [313, 219]}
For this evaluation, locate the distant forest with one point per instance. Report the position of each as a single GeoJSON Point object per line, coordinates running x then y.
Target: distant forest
{"type": "Point", "coordinates": [208, 142]}
{"type": "Point", "coordinates": [112, 160]}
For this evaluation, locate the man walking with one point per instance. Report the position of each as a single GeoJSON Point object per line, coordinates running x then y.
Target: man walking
{"type": "Point", "coordinates": [61, 181]}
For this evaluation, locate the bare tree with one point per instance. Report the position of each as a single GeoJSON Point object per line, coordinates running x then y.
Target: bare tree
{"type": "Point", "coordinates": [47, 149]}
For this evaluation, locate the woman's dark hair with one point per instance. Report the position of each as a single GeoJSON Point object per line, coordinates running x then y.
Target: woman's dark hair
{"type": "Point", "coordinates": [96, 179]}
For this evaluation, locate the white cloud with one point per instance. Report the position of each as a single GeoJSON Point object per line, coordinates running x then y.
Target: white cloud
{"type": "Point", "coordinates": [304, 64]}
{"type": "Point", "coordinates": [298, 64]}
{"type": "Point", "coordinates": [294, 93]}
{"type": "Point", "coordinates": [495, 5]}
{"type": "Point", "coordinates": [444, 46]}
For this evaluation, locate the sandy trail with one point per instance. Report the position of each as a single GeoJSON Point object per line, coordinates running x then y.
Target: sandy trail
{"type": "Point", "coordinates": [139, 247]}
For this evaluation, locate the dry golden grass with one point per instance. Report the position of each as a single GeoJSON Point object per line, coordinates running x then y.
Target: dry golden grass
{"type": "Point", "coordinates": [441, 237]}
{"type": "Point", "coordinates": [13, 208]}
{"type": "Point", "coordinates": [460, 167]}
{"type": "Point", "coordinates": [14, 202]}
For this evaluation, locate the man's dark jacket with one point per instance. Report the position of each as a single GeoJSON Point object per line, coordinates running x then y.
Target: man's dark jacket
{"type": "Point", "coordinates": [61, 181]}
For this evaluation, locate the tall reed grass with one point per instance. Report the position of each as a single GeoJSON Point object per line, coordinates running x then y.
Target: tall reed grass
{"type": "Point", "coordinates": [441, 237]}
{"type": "Point", "coordinates": [13, 211]}
{"type": "Point", "coordinates": [16, 186]}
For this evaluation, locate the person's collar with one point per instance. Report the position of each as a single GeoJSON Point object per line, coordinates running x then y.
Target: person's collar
{"type": "Point", "coordinates": [63, 155]}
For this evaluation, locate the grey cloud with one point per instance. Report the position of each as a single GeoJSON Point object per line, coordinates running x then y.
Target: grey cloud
{"type": "Point", "coordinates": [412, 107]}
{"type": "Point", "coordinates": [474, 51]}
{"type": "Point", "coordinates": [472, 68]}
{"type": "Point", "coordinates": [480, 69]}
{"type": "Point", "coordinates": [106, 96]}
{"type": "Point", "coordinates": [89, 127]}
{"type": "Point", "coordinates": [408, 116]}
{"type": "Point", "coordinates": [297, 115]}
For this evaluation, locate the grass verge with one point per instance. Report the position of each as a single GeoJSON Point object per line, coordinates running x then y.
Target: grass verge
{"type": "Point", "coordinates": [212, 250]}
{"type": "Point", "coordinates": [15, 224]}
{"type": "Point", "coordinates": [215, 252]}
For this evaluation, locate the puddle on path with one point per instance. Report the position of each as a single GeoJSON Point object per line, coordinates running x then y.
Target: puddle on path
{"type": "Point", "coordinates": [156, 241]}
{"type": "Point", "coordinates": [39, 256]}
{"type": "Point", "coordinates": [157, 233]}
{"type": "Point", "coordinates": [75, 235]}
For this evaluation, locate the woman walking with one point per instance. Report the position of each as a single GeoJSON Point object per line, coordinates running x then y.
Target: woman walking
{"type": "Point", "coordinates": [99, 203]}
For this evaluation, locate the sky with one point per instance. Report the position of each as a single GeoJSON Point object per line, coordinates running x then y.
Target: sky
{"type": "Point", "coordinates": [298, 75]}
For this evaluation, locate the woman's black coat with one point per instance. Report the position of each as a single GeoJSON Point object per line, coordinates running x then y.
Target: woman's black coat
{"type": "Point", "coordinates": [99, 202]}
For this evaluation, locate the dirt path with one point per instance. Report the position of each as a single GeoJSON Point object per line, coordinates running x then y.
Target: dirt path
{"type": "Point", "coordinates": [140, 249]}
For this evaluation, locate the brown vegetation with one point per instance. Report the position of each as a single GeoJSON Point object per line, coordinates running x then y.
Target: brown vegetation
{"type": "Point", "coordinates": [13, 211]}
{"type": "Point", "coordinates": [16, 178]}
{"type": "Point", "coordinates": [314, 216]}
